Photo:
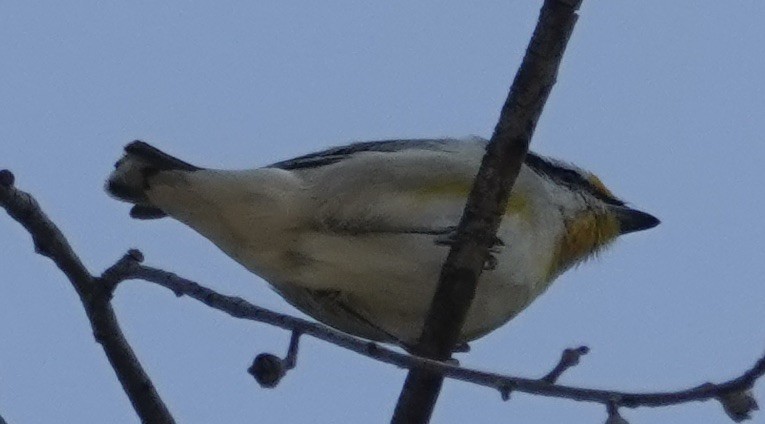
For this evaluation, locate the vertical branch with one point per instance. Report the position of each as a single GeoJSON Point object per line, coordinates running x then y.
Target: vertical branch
{"type": "Point", "coordinates": [95, 295]}
{"type": "Point", "coordinates": [485, 205]}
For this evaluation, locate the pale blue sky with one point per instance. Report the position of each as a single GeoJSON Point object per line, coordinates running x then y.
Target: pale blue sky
{"type": "Point", "coordinates": [663, 100]}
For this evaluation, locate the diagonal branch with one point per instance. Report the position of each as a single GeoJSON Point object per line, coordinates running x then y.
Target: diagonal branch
{"type": "Point", "coordinates": [50, 242]}
{"type": "Point", "coordinates": [485, 205]}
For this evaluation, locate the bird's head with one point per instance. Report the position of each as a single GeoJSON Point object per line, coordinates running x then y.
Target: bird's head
{"type": "Point", "coordinates": [592, 215]}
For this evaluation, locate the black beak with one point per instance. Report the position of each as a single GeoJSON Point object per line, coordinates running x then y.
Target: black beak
{"type": "Point", "coordinates": [631, 220]}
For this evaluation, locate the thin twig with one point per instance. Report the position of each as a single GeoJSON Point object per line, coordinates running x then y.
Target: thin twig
{"type": "Point", "coordinates": [290, 361]}
{"type": "Point", "coordinates": [569, 358]}
{"type": "Point", "coordinates": [95, 297]}
{"type": "Point", "coordinates": [484, 209]}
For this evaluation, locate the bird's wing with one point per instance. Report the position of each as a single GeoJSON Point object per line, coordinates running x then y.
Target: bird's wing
{"type": "Point", "coordinates": [341, 153]}
{"type": "Point", "coordinates": [394, 186]}
{"type": "Point", "coordinates": [330, 307]}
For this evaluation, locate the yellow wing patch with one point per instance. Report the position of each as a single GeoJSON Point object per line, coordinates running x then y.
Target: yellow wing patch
{"type": "Point", "coordinates": [517, 204]}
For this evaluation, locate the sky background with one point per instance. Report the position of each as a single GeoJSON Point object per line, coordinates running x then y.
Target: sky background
{"type": "Point", "coordinates": [663, 100]}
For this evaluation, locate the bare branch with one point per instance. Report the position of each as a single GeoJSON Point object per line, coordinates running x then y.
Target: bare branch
{"type": "Point", "coordinates": [240, 308]}
{"type": "Point", "coordinates": [484, 209]}
{"type": "Point", "coordinates": [95, 297]}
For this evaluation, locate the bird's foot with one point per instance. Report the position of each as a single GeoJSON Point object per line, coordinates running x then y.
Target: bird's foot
{"type": "Point", "coordinates": [448, 236]}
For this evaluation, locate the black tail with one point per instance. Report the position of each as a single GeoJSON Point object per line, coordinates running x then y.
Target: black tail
{"type": "Point", "coordinates": [132, 177]}
{"type": "Point", "coordinates": [156, 158]}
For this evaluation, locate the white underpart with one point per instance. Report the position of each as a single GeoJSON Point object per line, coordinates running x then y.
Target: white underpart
{"type": "Point", "coordinates": [339, 227]}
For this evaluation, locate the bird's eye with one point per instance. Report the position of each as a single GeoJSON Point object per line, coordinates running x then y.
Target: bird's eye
{"type": "Point", "coordinates": [570, 177]}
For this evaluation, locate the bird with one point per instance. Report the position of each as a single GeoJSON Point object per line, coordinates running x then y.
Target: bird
{"type": "Point", "coordinates": [355, 236]}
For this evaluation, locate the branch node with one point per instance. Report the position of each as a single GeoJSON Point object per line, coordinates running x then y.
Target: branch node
{"type": "Point", "coordinates": [738, 404]}
{"type": "Point", "coordinates": [268, 369]}
{"type": "Point", "coordinates": [568, 359]}
{"type": "Point", "coordinates": [7, 179]}
{"type": "Point", "coordinates": [136, 255]}
{"type": "Point", "coordinates": [505, 390]}
{"type": "Point", "coordinates": [121, 270]}
{"type": "Point", "coordinates": [40, 247]}
{"type": "Point", "coordinates": [613, 413]}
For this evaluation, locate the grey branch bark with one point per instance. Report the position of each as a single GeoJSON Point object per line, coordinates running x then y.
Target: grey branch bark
{"type": "Point", "coordinates": [50, 242]}
{"type": "Point", "coordinates": [488, 199]}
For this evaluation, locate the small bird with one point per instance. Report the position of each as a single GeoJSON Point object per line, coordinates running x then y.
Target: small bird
{"type": "Point", "coordinates": [355, 236]}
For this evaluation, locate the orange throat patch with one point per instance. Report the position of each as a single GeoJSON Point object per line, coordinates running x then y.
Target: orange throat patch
{"type": "Point", "coordinates": [585, 235]}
